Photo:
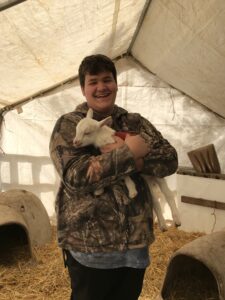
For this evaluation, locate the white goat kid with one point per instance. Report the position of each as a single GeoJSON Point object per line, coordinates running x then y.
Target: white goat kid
{"type": "Point", "coordinates": [98, 134]}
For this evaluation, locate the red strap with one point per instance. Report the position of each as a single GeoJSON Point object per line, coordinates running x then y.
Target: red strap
{"type": "Point", "coordinates": [123, 134]}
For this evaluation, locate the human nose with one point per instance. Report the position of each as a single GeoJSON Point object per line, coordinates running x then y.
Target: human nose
{"type": "Point", "coordinates": [101, 85]}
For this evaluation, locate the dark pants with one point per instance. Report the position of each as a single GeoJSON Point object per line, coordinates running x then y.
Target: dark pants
{"type": "Point", "coordinates": [103, 284]}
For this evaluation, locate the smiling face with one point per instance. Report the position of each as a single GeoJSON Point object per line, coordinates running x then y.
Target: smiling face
{"type": "Point", "coordinates": [100, 91]}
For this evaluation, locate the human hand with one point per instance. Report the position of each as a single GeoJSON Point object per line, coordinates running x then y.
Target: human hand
{"type": "Point", "coordinates": [109, 147]}
{"type": "Point", "coordinates": [94, 170]}
{"type": "Point", "coordinates": [137, 146]}
{"type": "Point", "coordinates": [139, 162]}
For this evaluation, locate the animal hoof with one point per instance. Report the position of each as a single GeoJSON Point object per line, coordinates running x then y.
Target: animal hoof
{"type": "Point", "coordinates": [98, 192]}
{"type": "Point", "coordinates": [177, 224]}
{"type": "Point", "coordinates": [164, 228]}
{"type": "Point", "coordinates": [132, 194]}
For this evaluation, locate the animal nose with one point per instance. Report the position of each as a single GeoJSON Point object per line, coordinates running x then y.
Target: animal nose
{"type": "Point", "coordinates": [77, 143]}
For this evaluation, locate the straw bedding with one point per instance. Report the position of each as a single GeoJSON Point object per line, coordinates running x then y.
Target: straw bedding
{"type": "Point", "coordinates": [45, 278]}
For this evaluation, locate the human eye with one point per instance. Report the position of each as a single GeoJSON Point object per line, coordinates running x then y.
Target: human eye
{"type": "Point", "coordinates": [108, 79]}
{"type": "Point", "coordinates": [93, 82]}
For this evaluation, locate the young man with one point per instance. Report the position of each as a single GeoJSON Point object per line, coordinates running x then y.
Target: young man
{"type": "Point", "coordinates": [105, 238]}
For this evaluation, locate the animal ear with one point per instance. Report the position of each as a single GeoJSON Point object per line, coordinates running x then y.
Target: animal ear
{"type": "Point", "coordinates": [90, 113]}
{"type": "Point", "coordinates": [107, 121]}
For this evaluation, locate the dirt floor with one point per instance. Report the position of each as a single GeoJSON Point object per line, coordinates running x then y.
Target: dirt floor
{"type": "Point", "coordinates": [45, 278]}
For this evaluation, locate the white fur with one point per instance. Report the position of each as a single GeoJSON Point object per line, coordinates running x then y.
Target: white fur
{"type": "Point", "coordinates": [98, 133]}
{"type": "Point", "coordinates": [92, 132]}
{"type": "Point", "coordinates": [159, 189]}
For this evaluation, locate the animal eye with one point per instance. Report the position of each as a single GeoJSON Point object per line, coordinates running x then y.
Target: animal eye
{"type": "Point", "coordinates": [87, 133]}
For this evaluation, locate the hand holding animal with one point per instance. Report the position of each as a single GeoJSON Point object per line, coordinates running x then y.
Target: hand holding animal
{"type": "Point", "coordinates": [100, 135]}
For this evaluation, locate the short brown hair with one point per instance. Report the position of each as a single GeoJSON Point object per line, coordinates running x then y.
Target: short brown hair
{"type": "Point", "coordinates": [95, 64]}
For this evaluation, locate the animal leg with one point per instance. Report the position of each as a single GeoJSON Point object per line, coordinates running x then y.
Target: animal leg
{"type": "Point", "coordinates": [174, 211]}
{"type": "Point", "coordinates": [156, 196]}
{"type": "Point", "coordinates": [170, 198]}
{"type": "Point", "coordinates": [131, 187]}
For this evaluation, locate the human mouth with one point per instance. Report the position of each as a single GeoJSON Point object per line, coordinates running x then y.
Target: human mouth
{"type": "Point", "coordinates": [102, 96]}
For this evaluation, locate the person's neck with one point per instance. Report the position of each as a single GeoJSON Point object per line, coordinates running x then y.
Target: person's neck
{"type": "Point", "coordinates": [102, 115]}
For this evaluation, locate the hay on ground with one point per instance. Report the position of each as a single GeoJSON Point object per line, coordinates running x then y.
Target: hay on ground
{"type": "Point", "coordinates": [45, 278]}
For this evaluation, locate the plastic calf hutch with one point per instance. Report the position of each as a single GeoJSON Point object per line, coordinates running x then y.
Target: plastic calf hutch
{"type": "Point", "coordinates": [23, 218]}
{"type": "Point", "coordinates": [197, 270]}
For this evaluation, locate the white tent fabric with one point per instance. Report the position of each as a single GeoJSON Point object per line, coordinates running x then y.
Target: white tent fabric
{"type": "Point", "coordinates": [42, 43]}
{"type": "Point", "coordinates": [183, 42]}
{"type": "Point", "coordinates": [25, 137]}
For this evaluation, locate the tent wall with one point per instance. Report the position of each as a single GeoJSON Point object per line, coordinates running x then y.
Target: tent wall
{"type": "Point", "coordinates": [183, 42]}
{"type": "Point", "coordinates": [25, 136]}
{"type": "Point", "coordinates": [43, 42]}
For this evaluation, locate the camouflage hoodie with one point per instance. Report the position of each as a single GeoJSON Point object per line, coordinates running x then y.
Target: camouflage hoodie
{"type": "Point", "coordinates": [110, 221]}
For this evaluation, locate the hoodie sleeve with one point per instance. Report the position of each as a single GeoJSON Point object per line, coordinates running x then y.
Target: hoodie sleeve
{"type": "Point", "coordinates": [162, 158]}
